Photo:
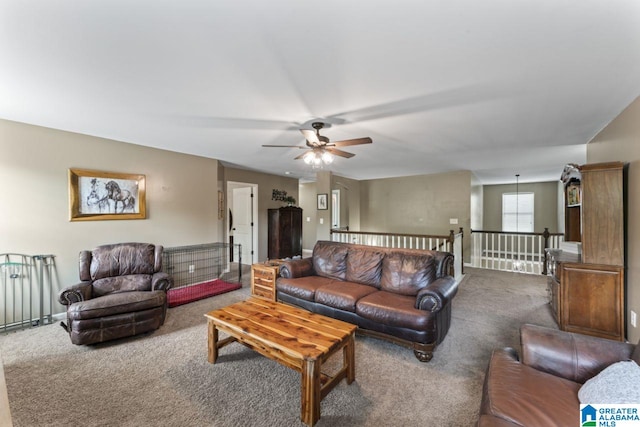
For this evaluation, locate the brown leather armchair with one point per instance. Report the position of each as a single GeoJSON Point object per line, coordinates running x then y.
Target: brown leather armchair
{"type": "Point", "coordinates": [540, 385]}
{"type": "Point", "coordinates": [122, 293]}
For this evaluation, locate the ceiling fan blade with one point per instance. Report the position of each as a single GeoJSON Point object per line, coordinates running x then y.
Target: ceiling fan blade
{"type": "Point", "coordinates": [284, 146]}
{"type": "Point", "coordinates": [356, 141]}
{"type": "Point", "coordinates": [310, 136]}
{"type": "Point", "coordinates": [340, 153]}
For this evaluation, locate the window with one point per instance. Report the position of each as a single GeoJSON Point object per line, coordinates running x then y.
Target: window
{"type": "Point", "coordinates": [517, 212]}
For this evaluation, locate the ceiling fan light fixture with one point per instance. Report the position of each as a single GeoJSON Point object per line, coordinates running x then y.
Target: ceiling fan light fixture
{"type": "Point", "coordinates": [327, 158]}
{"type": "Point", "coordinates": [308, 157]}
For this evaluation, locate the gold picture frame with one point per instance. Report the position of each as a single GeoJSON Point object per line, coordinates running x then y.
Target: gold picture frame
{"type": "Point", "coordinates": [97, 195]}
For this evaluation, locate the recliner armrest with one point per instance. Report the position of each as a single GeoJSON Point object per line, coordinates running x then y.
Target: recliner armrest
{"type": "Point", "coordinates": [161, 281]}
{"type": "Point", "coordinates": [437, 294]}
{"type": "Point", "coordinates": [82, 291]}
{"type": "Point", "coordinates": [575, 357]}
{"type": "Point", "coordinates": [297, 268]}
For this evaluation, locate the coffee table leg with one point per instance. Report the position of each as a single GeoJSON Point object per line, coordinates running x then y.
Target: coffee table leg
{"type": "Point", "coordinates": [350, 359]}
{"type": "Point", "coordinates": [310, 398]}
{"type": "Point", "coordinates": [213, 342]}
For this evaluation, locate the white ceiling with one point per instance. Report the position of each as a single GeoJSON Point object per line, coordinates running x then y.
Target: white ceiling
{"type": "Point", "coordinates": [498, 87]}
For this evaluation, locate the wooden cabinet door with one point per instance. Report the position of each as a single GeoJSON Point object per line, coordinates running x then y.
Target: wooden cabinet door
{"type": "Point", "coordinates": [602, 214]}
{"type": "Point", "coordinates": [592, 300]}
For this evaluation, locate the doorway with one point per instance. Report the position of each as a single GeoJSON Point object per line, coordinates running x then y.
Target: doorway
{"type": "Point", "coordinates": [242, 219]}
{"type": "Point", "coordinates": [335, 209]}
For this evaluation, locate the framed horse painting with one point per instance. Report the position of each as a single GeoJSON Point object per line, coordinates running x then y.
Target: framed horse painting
{"type": "Point", "coordinates": [96, 195]}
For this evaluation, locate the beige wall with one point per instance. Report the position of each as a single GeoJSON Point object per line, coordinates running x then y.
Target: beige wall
{"type": "Point", "coordinates": [34, 219]}
{"type": "Point", "coordinates": [349, 201]}
{"type": "Point", "coordinates": [545, 210]}
{"type": "Point", "coordinates": [620, 141]}
{"type": "Point", "coordinates": [308, 205]}
{"type": "Point", "coordinates": [416, 204]}
{"type": "Point", "coordinates": [421, 204]}
{"type": "Point", "coordinates": [266, 184]}
{"type": "Point", "coordinates": [477, 204]}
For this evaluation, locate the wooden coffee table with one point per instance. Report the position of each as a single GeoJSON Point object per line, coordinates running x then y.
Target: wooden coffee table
{"type": "Point", "coordinates": [291, 336]}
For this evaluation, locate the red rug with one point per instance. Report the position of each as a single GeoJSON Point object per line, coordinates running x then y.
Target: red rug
{"type": "Point", "coordinates": [187, 294]}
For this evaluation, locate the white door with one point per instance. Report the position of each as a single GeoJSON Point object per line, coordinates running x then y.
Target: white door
{"type": "Point", "coordinates": [242, 228]}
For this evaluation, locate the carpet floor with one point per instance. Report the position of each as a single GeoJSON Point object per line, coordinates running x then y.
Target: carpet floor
{"type": "Point", "coordinates": [163, 378]}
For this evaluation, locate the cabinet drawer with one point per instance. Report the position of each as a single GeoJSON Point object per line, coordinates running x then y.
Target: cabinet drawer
{"type": "Point", "coordinates": [263, 281]}
{"type": "Point", "coordinates": [264, 274]}
{"type": "Point", "coordinates": [264, 291]}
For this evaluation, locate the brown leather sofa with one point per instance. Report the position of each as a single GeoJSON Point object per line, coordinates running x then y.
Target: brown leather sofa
{"type": "Point", "coordinates": [540, 388]}
{"type": "Point", "coordinates": [122, 293]}
{"type": "Point", "coordinates": [402, 295]}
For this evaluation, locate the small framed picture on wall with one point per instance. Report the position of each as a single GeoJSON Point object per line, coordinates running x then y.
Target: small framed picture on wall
{"type": "Point", "coordinates": [323, 203]}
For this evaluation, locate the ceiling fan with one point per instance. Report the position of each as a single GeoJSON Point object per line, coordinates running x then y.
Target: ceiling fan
{"type": "Point", "coordinates": [320, 150]}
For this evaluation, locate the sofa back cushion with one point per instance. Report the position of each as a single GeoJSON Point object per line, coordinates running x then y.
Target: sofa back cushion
{"type": "Point", "coordinates": [120, 267]}
{"type": "Point", "coordinates": [122, 259]}
{"type": "Point", "coordinates": [364, 265]}
{"type": "Point", "coordinates": [330, 259]}
{"type": "Point", "coordinates": [130, 282]}
{"type": "Point", "coordinates": [636, 354]}
{"type": "Point", "coordinates": [406, 273]}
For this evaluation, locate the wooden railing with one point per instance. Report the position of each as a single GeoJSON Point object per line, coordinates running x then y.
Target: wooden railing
{"type": "Point", "coordinates": [506, 251]}
{"type": "Point", "coordinates": [453, 242]}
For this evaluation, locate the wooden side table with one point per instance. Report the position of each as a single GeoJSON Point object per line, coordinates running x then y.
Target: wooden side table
{"type": "Point", "coordinates": [263, 280]}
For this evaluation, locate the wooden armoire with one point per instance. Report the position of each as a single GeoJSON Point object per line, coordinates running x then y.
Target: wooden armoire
{"type": "Point", "coordinates": [285, 232]}
{"type": "Point", "coordinates": [587, 290]}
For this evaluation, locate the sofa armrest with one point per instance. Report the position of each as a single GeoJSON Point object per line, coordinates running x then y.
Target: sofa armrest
{"type": "Point", "coordinates": [437, 294]}
{"type": "Point", "coordinates": [297, 268]}
{"type": "Point", "coordinates": [568, 355]}
{"type": "Point", "coordinates": [161, 281]}
{"type": "Point", "coordinates": [82, 291]}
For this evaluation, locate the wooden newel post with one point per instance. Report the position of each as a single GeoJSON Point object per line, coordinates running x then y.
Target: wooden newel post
{"type": "Point", "coordinates": [546, 235]}
{"type": "Point", "coordinates": [462, 249]}
{"type": "Point", "coordinates": [452, 239]}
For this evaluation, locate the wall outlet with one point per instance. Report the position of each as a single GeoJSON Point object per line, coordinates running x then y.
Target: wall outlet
{"type": "Point", "coordinates": [192, 268]}
{"type": "Point", "coordinates": [634, 319]}
{"type": "Point", "coordinates": [321, 220]}
{"type": "Point", "coordinates": [453, 221]}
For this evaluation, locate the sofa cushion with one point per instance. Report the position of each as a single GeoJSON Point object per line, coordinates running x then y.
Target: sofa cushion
{"type": "Point", "coordinates": [636, 353]}
{"type": "Point", "coordinates": [405, 273]}
{"type": "Point", "coordinates": [132, 282]}
{"type": "Point", "coordinates": [525, 396]}
{"type": "Point", "coordinates": [616, 384]}
{"type": "Point", "coordinates": [364, 266]}
{"type": "Point", "coordinates": [118, 303]}
{"type": "Point", "coordinates": [330, 259]}
{"type": "Point", "coordinates": [122, 259]}
{"type": "Point", "coordinates": [302, 287]}
{"type": "Point", "coordinates": [342, 295]}
{"type": "Point", "coordinates": [394, 309]}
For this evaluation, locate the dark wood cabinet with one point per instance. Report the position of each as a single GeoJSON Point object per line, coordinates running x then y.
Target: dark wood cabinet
{"type": "Point", "coordinates": [587, 291]}
{"type": "Point", "coordinates": [592, 296]}
{"type": "Point", "coordinates": [602, 213]}
{"type": "Point", "coordinates": [285, 232]}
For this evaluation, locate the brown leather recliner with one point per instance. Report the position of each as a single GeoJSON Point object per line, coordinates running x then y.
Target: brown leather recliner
{"type": "Point", "coordinates": [539, 386]}
{"type": "Point", "coordinates": [122, 293]}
